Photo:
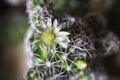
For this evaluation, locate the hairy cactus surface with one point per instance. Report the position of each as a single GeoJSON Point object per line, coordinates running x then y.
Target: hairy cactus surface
{"type": "Point", "coordinates": [63, 48]}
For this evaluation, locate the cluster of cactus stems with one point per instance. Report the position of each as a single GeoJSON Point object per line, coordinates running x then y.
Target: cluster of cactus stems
{"type": "Point", "coordinates": [62, 48]}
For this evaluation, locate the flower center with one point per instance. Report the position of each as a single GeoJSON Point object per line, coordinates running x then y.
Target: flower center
{"type": "Point", "coordinates": [48, 37]}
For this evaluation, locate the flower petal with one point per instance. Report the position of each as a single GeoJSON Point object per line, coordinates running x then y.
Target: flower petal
{"type": "Point", "coordinates": [49, 23]}
{"type": "Point", "coordinates": [57, 29]}
{"type": "Point", "coordinates": [66, 39]}
{"type": "Point", "coordinates": [62, 33]}
{"type": "Point", "coordinates": [64, 45]}
{"type": "Point", "coordinates": [55, 23]}
{"type": "Point", "coordinates": [59, 39]}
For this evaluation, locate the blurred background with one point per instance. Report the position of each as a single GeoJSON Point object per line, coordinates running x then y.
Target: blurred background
{"type": "Point", "coordinates": [14, 23]}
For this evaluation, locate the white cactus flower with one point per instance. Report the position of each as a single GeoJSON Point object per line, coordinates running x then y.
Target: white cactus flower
{"type": "Point", "coordinates": [51, 34]}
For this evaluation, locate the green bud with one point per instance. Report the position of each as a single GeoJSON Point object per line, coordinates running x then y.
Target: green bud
{"type": "Point", "coordinates": [80, 64]}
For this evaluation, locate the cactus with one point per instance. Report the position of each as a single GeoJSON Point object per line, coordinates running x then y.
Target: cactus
{"type": "Point", "coordinates": [60, 48]}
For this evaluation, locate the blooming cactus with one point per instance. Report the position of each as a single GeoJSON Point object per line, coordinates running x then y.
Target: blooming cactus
{"type": "Point", "coordinates": [57, 50]}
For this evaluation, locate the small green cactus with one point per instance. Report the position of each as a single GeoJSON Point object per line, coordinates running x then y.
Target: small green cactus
{"type": "Point", "coordinates": [60, 49]}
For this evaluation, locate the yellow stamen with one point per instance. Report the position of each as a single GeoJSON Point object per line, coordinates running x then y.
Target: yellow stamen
{"type": "Point", "coordinates": [48, 37]}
